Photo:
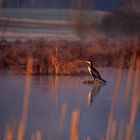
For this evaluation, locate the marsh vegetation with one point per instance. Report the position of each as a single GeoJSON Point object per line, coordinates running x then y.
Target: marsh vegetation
{"type": "Point", "coordinates": [65, 57]}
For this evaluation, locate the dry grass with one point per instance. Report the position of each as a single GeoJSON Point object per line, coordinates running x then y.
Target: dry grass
{"type": "Point", "coordinates": [74, 125]}
{"type": "Point", "coordinates": [55, 57]}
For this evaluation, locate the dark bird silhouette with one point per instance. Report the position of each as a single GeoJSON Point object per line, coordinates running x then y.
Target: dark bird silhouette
{"type": "Point", "coordinates": [95, 74]}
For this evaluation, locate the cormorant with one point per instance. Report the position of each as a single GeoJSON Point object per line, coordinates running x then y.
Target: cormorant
{"type": "Point", "coordinates": [93, 71]}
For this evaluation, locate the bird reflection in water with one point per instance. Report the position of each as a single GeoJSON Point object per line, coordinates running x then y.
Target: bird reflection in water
{"type": "Point", "coordinates": [93, 92]}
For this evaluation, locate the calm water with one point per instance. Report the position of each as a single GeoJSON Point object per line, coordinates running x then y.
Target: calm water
{"type": "Point", "coordinates": [48, 95]}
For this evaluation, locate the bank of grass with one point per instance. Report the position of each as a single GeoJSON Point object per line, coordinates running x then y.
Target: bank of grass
{"type": "Point", "coordinates": [65, 57]}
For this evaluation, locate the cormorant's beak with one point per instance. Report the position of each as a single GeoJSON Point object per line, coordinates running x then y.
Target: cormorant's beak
{"type": "Point", "coordinates": [88, 62]}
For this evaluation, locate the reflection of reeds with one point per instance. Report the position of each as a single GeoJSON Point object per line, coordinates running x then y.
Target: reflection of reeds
{"type": "Point", "coordinates": [54, 88]}
{"type": "Point", "coordinates": [23, 121]}
{"type": "Point", "coordinates": [62, 119]}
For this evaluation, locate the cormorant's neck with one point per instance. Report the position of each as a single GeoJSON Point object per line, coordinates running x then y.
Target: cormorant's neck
{"type": "Point", "coordinates": [90, 64]}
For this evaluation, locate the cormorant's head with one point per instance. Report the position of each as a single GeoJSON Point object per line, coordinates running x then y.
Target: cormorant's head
{"type": "Point", "coordinates": [88, 62]}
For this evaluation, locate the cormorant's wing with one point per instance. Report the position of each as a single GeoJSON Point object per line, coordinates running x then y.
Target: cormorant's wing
{"type": "Point", "coordinates": [95, 73]}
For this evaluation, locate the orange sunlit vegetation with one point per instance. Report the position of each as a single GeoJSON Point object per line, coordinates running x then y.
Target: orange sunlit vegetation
{"type": "Point", "coordinates": [62, 57]}
{"type": "Point", "coordinates": [75, 124]}
{"type": "Point", "coordinates": [9, 133]}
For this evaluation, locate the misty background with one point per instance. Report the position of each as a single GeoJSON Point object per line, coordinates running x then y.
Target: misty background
{"type": "Point", "coordinates": [98, 18]}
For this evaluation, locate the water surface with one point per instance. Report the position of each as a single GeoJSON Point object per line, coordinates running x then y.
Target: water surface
{"type": "Point", "coordinates": [48, 95]}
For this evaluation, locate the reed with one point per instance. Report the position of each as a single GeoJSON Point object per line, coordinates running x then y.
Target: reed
{"type": "Point", "coordinates": [130, 76]}
{"type": "Point", "coordinates": [9, 133]}
{"type": "Point", "coordinates": [62, 120]}
{"type": "Point", "coordinates": [74, 125]}
{"type": "Point", "coordinates": [125, 131]}
{"type": "Point", "coordinates": [134, 103]}
{"type": "Point", "coordinates": [113, 130]}
{"type": "Point", "coordinates": [37, 136]}
{"type": "Point", "coordinates": [26, 101]}
{"type": "Point", "coordinates": [121, 131]}
{"type": "Point", "coordinates": [116, 93]}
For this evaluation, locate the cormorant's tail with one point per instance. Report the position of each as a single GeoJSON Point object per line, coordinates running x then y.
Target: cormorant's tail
{"type": "Point", "coordinates": [103, 80]}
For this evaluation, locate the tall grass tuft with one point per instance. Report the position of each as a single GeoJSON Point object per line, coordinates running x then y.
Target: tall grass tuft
{"type": "Point", "coordinates": [9, 133]}
{"type": "Point", "coordinates": [74, 125]}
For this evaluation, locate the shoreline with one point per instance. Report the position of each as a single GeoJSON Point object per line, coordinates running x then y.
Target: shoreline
{"type": "Point", "coordinates": [62, 57]}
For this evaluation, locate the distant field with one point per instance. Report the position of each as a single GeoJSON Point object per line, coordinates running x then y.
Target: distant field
{"type": "Point", "coordinates": [41, 22]}
{"type": "Point", "coordinates": [46, 14]}
{"type": "Point", "coordinates": [41, 14]}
